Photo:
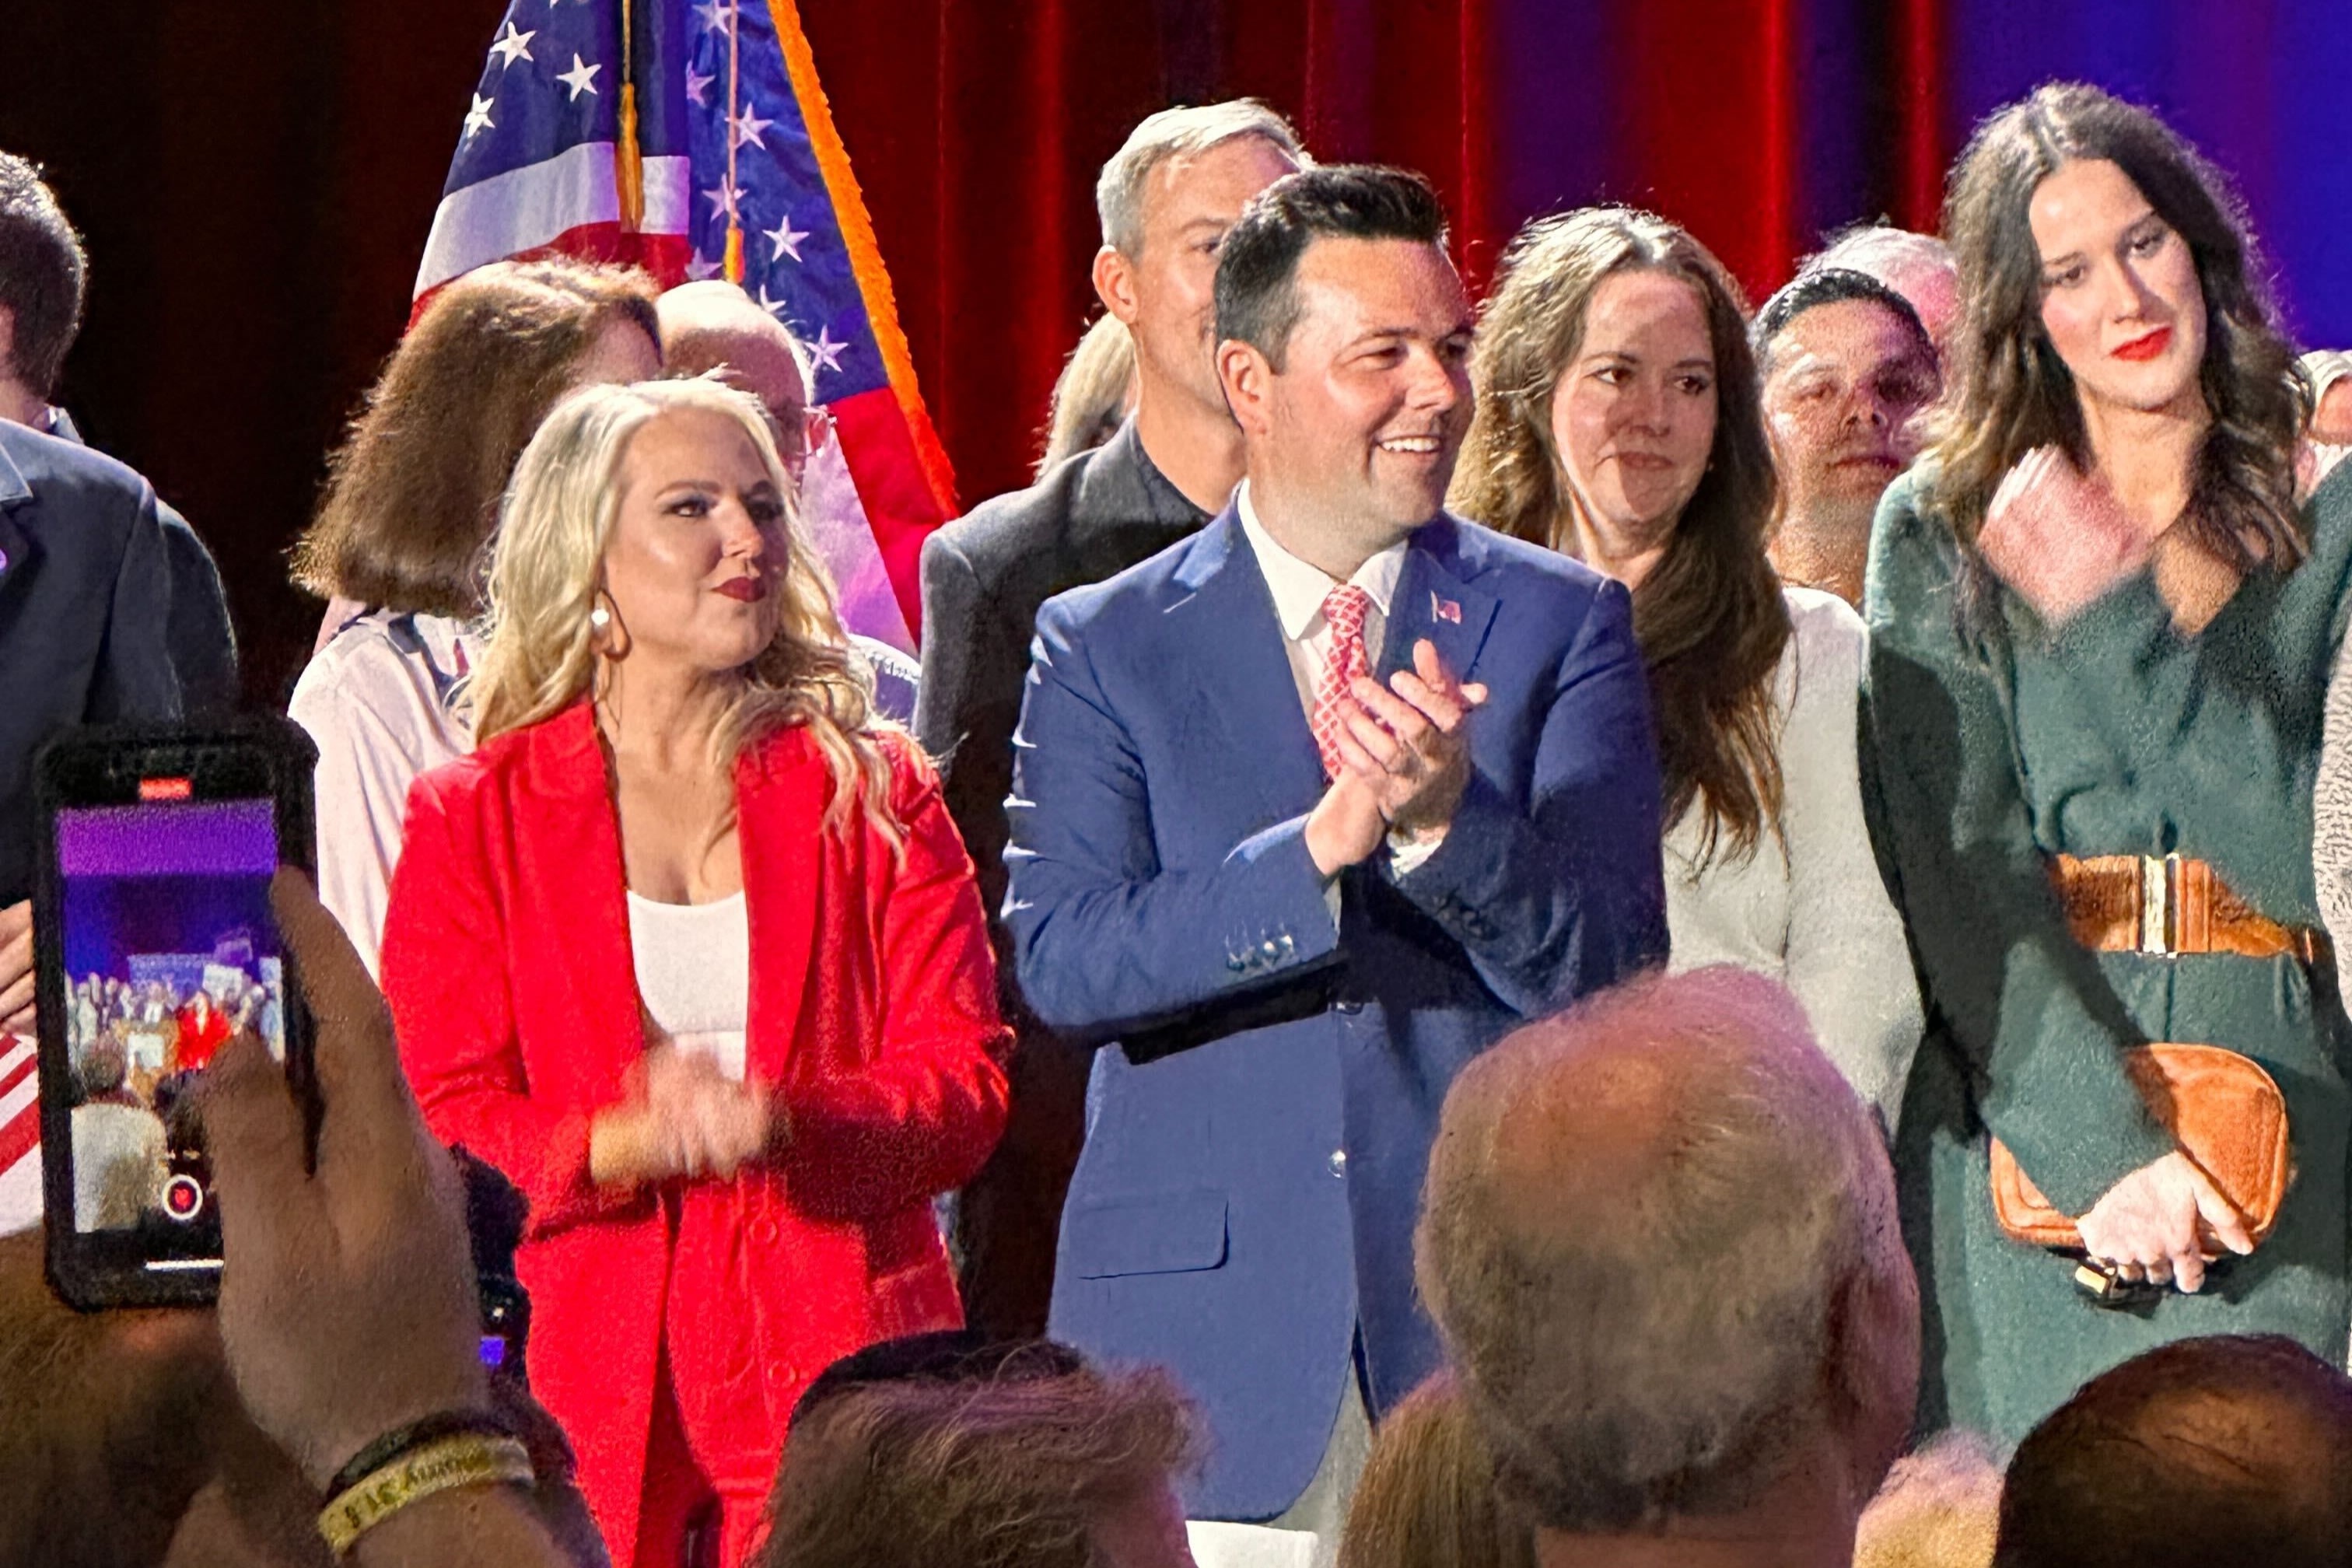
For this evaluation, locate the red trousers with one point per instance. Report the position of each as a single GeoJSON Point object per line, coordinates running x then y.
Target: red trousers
{"type": "Point", "coordinates": [699, 1510]}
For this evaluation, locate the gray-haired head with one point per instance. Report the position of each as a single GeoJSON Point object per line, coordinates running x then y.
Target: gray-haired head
{"type": "Point", "coordinates": [1178, 133]}
{"type": "Point", "coordinates": [1659, 1239]}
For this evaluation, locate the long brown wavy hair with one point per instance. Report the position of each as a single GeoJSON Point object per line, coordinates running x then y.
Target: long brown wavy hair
{"type": "Point", "coordinates": [2012, 393]}
{"type": "Point", "coordinates": [1709, 615]}
{"type": "Point", "coordinates": [413, 494]}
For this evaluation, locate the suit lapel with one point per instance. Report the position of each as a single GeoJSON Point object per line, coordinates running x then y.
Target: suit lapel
{"type": "Point", "coordinates": [781, 789]}
{"type": "Point", "coordinates": [573, 857]}
{"type": "Point", "coordinates": [14, 550]}
{"type": "Point", "coordinates": [1434, 601]}
{"type": "Point", "coordinates": [1240, 681]}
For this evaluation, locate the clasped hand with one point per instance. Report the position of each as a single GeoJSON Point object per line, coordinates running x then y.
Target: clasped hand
{"type": "Point", "coordinates": [691, 1120]}
{"type": "Point", "coordinates": [1404, 753]}
{"type": "Point", "coordinates": [2161, 1224]}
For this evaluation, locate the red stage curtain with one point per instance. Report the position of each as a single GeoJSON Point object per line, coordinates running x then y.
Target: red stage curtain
{"type": "Point", "coordinates": [976, 128]}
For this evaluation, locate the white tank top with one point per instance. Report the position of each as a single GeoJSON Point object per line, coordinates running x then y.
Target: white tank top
{"type": "Point", "coordinates": [694, 974]}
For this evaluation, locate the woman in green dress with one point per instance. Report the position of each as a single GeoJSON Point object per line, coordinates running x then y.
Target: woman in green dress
{"type": "Point", "coordinates": [2100, 626]}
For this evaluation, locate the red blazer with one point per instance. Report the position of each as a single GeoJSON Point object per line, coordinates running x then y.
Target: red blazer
{"type": "Point", "coordinates": [873, 1013]}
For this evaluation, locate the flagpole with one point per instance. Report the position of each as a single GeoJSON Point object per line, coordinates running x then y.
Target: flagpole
{"type": "Point", "coordinates": [733, 261]}
{"type": "Point", "coordinates": [629, 162]}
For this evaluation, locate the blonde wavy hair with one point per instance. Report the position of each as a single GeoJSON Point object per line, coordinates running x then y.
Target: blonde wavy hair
{"type": "Point", "coordinates": [547, 565]}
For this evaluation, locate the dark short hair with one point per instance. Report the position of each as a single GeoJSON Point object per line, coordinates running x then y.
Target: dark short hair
{"type": "Point", "coordinates": [2235, 1447]}
{"type": "Point", "coordinates": [1258, 267]}
{"type": "Point", "coordinates": [1818, 286]}
{"type": "Point", "coordinates": [41, 271]}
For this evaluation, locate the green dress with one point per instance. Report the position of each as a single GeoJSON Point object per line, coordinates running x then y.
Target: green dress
{"type": "Point", "coordinates": [1996, 743]}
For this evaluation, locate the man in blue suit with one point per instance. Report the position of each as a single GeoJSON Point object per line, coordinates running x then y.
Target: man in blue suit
{"type": "Point", "coordinates": [1290, 900]}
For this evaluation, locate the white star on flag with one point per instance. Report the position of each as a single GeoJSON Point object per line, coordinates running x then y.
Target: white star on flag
{"type": "Point", "coordinates": [785, 239]}
{"type": "Point", "coordinates": [714, 15]}
{"type": "Point", "coordinates": [579, 78]}
{"type": "Point", "coordinates": [727, 198]}
{"type": "Point", "coordinates": [748, 128]}
{"type": "Point", "coordinates": [774, 307]}
{"type": "Point", "coordinates": [825, 351]}
{"type": "Point", "coordinates": [478, 118]}
{"type": "Point", "coordinates": [700, 267]}
{"type": "Point", "coordinates": [696, 84]}
{"type": "Point", "coordinates": [512, 45]}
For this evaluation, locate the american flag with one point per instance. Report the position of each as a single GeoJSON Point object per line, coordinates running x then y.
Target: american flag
{"type": "Point", "coordinates": [695, 141]}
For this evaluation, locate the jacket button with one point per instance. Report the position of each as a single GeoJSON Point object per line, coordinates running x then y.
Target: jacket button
{"type": "Point", "coordinates": [1270, 947]}
{"type": "Point", "coordinates": [1338, 1162]}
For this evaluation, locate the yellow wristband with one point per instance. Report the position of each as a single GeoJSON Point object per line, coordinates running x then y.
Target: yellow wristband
{"type": "Point", "coordinates": [472, 1459]}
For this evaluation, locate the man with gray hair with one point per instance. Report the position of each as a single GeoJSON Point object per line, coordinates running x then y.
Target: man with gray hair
{"type": "Point", "coordinates": [1166, 199]}
{"type": "Point", "coordinates": [1659, 1238]}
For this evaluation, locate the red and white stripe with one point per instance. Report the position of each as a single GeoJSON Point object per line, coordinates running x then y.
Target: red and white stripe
{"type": "Point", "coordinates": [20, 1133]}
{"type": "Point", "coordinates": [541, 205]}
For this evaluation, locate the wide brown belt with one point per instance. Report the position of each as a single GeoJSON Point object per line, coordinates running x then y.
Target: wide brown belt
{"type": "Point", "coordinates": [2169, 905]}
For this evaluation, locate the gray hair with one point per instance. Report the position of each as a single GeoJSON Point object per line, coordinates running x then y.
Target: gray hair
{"type": "Point", "coordinates": [1659, 1238]}
{"type": "Point", "coordinates": [1178, 133]}
{"type": "Point", "coordinates": [714, 308]}
{"type": "Point", "coordinates": [1881, 250]}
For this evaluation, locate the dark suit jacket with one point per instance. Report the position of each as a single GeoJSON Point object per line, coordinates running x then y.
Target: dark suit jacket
{"type": "Point", "coordinates": [1255, 1142]}
{"type": "Point", "coordinates": [202, 642]}
{"type": "Point", "coordinates": [983, 578]}
{"type": "Point", "coordinates": [85, 615]}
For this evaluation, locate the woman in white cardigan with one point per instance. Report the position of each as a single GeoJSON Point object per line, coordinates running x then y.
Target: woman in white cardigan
{"type": "Point", "coordinates": [1619, 421]}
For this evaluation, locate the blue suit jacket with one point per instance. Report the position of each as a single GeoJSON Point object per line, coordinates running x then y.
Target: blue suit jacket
{"type": "Point", "coordinates": [1256, 1140]}
{"type": "Point", "coordinates": [85, 614]}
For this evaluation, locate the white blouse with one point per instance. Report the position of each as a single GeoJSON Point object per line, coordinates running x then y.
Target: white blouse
{"type": "Point", "coordinates": [694, 975]}
{"type": "Point", "coordinates": [380, 713]}
{"type": "Point", "coordinates": [1810, 909]}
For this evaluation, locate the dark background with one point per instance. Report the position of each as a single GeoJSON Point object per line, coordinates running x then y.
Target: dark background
{"type": "Point", "coordinates": [255, 177]}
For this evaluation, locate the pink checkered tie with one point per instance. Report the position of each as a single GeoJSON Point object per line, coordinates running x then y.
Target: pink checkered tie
{"type": "Point", "coordinates": [1343, 612]}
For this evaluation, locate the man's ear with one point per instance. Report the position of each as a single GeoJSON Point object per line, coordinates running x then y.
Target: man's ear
{"type": "Point", "coordinates": [1114, 277]}
{"type": "Point", "coordinates": [1244, 371]}
{"type": "Point", "coordinates": [7, 343]}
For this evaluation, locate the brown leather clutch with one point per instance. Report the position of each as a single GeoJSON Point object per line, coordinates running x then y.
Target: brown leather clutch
{"type": "Point", "coordinates": [2226, 1113]}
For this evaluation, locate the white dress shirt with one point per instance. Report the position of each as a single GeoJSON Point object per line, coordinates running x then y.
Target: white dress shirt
{"type": "Point", "coordinates": [1300, 589]}
{"type": "Point", "coordinates": [1810, 909]}
{"type": "Point", "coordinates": [379, 719]}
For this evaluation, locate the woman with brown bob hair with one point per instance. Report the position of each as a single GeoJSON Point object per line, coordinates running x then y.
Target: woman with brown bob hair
{"type": "Point", "coordinates": [2101, 631]}
{"type": "Point", "coordinates": [402, 539]}
{"type": "Point", "coordinates": [1619, 421]}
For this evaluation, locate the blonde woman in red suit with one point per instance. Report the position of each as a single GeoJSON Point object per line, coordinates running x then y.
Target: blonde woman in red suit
{"type": "Point", "coordinates": [689, 949]}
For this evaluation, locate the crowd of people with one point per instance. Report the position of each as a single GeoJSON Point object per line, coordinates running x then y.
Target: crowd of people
{"type": "Point", "coordinates": [1542, 930]}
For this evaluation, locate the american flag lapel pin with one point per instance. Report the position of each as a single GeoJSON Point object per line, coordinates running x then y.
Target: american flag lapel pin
{"type": "Point", "coordinates": [1443, 609]}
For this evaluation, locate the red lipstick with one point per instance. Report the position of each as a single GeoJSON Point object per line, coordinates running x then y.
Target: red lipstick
{"type": "Point", "coordinates": [749, 590]}
{"type": "Point", "coordinates": [2146, 347]}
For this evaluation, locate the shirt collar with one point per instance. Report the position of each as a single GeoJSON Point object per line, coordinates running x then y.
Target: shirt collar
{"type": "Point", "coordinates": [1299, 588]}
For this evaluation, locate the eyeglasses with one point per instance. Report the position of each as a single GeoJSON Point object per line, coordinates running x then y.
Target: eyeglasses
{"type": "Point", "coordinates": [797, 446]}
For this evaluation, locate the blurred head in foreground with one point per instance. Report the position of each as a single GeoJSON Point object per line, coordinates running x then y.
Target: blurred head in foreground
{"type": "Point", "coordinates": [1659, 1238]}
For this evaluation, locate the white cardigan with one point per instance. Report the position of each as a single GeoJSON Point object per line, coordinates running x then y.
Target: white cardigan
{"type": "Point", "coordinates": [1816, 917]}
